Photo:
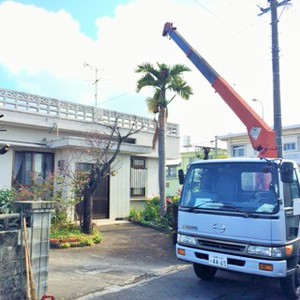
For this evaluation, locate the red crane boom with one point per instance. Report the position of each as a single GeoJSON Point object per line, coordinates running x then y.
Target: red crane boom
{"type": "Point", "coordinates": [262, 137]}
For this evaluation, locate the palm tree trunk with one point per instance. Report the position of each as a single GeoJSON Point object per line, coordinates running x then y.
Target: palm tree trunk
{"type": "Point", "coordinates": [162, 160]}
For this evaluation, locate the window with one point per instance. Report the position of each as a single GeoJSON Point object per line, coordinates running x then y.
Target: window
{"type": "Point", "coordinates": [238, 150]}
{"type": "Point", "coordinates": [84, 167]}
{"type": "Point", "coordinates": [289, 146]}
{"type": "Point", "coordinates": [235, 187]}
{"type": "Point", "coordinates": [137, 177]}
{"type": "Point", "coordinates": [171, 171]}
{"type": "Point", "coordinates": [28, 165]}
{"type": "Point", "coordinates": [291, 192]}
{"type": "Point", "coordinates": [255, 181]}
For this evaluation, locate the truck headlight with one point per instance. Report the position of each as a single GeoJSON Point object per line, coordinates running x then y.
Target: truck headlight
{"type": "Point", "coordinates": [186, 239]}
{"type": "Point", "coordinates": [276, 252]}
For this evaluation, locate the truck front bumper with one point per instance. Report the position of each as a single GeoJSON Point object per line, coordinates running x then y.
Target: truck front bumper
{"type": "Point", "coordinates": [255, 266]}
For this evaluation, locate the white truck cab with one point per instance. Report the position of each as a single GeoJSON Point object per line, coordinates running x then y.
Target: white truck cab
{"type": "Point", "coordinates": [241, 215]}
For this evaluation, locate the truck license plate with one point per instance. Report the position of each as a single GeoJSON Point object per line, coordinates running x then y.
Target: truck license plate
{"type": "Point", "coordinates": [218, 261]}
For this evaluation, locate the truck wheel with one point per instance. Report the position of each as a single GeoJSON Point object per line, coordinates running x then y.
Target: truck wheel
{"type": "Point", "coordinates": [290, 285]}
{"type": "Point", "coordinates": [203, 272]}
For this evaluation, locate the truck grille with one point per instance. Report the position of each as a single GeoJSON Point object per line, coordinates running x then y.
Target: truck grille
{"type": "Point", "coordinates": [228, 247]}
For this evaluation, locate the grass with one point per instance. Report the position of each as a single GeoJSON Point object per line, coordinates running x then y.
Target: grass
{"type": "Point", "coordinates": [71, 236]}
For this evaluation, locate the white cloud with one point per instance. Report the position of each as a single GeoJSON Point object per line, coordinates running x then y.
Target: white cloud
{"type": "Point", "coordinates": [46, 52]}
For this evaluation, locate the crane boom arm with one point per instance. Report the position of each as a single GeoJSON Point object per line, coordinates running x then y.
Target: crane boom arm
{"type": "Point", "coordinates": [262, 137]}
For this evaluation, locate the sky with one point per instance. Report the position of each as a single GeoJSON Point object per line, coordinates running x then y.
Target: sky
{"type": "Point", "coordinates": [53, 48]}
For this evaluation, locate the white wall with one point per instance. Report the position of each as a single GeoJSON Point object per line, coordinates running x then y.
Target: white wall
{"type": "Point", "coordinates": [119, 204]}
{"type": "Point", "coordinates": [6, 165]}
{"type": "Point", "coordinates": [152, 188]}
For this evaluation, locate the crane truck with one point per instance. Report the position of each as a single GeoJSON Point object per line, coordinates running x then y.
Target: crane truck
{"type": "Point", "coordinates": [240, 214]}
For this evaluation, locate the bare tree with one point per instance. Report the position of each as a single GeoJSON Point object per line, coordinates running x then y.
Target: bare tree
{"type": "Point", "coordinates": [104, 147]}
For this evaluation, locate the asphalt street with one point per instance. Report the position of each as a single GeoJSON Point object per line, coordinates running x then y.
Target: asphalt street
{"type": "Point", "coordinates": [128, 253]}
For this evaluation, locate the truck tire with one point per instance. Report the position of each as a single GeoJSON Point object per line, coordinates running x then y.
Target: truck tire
{"type": "Point", "coordinates": [290, 285]}
{"type": "Point", "coordinates": [203, 272]}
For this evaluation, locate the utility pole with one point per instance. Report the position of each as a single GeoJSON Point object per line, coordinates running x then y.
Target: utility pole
{"type": "Point", "coordinates": [275, 66]}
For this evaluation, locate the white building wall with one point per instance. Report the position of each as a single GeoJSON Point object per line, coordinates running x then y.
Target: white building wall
{"type": "Point", "coordinates": [119, 204]}
{"type": "Point", "coordinates": [290, 134]}
{"type": "Point", "coordinates": [172, 144]}
{"type": "Point", "coordinates": [6, 165]}
{"type": "Point", "coordinates": [250, 152]}
{"type": "Point", "coordinates": [152, 182]}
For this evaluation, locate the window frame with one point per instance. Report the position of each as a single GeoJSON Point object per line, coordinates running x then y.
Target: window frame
{"type": "Point", "coordinates": [27, 165]}
{"type": "Point", "coordinates": [138, 191]}
{"type": "Point", "coordinates": [236, 149]}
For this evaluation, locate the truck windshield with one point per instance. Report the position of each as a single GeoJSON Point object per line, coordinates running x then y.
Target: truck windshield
{"type": "Point", "coordinates": [238, 187]}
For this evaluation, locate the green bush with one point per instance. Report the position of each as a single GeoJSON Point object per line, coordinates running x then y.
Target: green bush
{"type": "Point", "coordinates": [6, 200]}
{"type": "Point", "coordinates": [72, 232]}
{"type": "Point", "coordinates": [150, 215]}
{"type": "Point", "coordinates": [151, 210]}
{"type": "Point", "coordinates": [135, 215]}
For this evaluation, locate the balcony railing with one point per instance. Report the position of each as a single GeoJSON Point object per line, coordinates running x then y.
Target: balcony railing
{"type": "Point", "coordinates": [13, 100]}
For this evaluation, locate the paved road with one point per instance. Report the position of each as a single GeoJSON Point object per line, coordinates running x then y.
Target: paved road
{"type": "Point", "coordinates": [185, 285]}
{"type": "Point", "coordinates": [128, 253]}
{"type": "Point", "coordinates": [136, 262]}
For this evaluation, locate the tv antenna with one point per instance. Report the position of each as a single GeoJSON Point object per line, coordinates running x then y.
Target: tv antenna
{"type": "Point", "coordinates": [95, 82]}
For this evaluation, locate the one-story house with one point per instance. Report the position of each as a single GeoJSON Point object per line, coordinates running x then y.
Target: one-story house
{"type": "Point", "coordinates": [44, 132]}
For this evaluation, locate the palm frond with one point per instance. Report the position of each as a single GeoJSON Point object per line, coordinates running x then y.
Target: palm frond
{"type": "Point", "coordinates": [163, 78]}
{"type": "Point", "coordinates": [147, 68]}
{"type": "Point", "coordinates": [181, 87]}
{"type": "Point", "coordinates": [146, 80]}
{"type": "Point", "coordinates": [178, 69]}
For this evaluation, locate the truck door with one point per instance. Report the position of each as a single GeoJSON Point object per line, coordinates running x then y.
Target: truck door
{"type": "Point", "coordinates": [291, 196]}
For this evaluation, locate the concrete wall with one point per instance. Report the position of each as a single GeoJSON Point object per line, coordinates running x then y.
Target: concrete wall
{"type": "Point", "coordinates": [12, 255]}
{"type": "Point", "coordinates": [11, 265]}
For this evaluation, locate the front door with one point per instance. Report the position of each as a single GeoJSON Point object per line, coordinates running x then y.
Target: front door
{"type": "Point", "coordinates": [101, 200]}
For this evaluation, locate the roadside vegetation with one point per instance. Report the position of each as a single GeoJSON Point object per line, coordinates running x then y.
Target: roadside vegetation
{"type": "Point", "coordinates": [150, 215]}
{"type": "Point", "coordinates": [6, 200]}
{"type": "Point", "coordinates": [63, 233]}
{"type": "Point", "coordinates": [71, 236]}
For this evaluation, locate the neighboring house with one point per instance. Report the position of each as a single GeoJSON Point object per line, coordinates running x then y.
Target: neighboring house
{"type": "Point", "coordinates": [190, 154]}
{"type": "Point", "coordinates": [172, 184]}
{"type": "Point", "coordinates": [44, 133]}
{"type": "Point", "coordinates": [239, 144]}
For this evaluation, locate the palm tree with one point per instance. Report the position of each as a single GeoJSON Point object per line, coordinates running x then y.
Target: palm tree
{"type": "Point", "coordinates": [163, 79]}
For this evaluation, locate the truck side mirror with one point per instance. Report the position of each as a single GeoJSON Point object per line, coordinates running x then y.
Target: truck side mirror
{"type": "Point", "coordinates": [181, 176]}
{"type": "Point", "coordinates": [287, 172]}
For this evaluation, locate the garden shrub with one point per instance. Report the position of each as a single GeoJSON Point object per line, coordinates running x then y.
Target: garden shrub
{"type": "Point", "coordinates": [6, 201]}
{"type": "Point", "coordinates": [150, 215]}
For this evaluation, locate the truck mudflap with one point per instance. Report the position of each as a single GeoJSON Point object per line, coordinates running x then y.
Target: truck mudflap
{"type": "Point", "coordinates": [255, 266]}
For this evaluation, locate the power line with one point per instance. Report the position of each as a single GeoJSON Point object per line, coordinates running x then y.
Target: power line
{"type": "Point", "coordinates": [214, 15]}
{"type": "Point", "coordinates": [224, 22]}
{"type": "Point", "coordinates": [116, 97]}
